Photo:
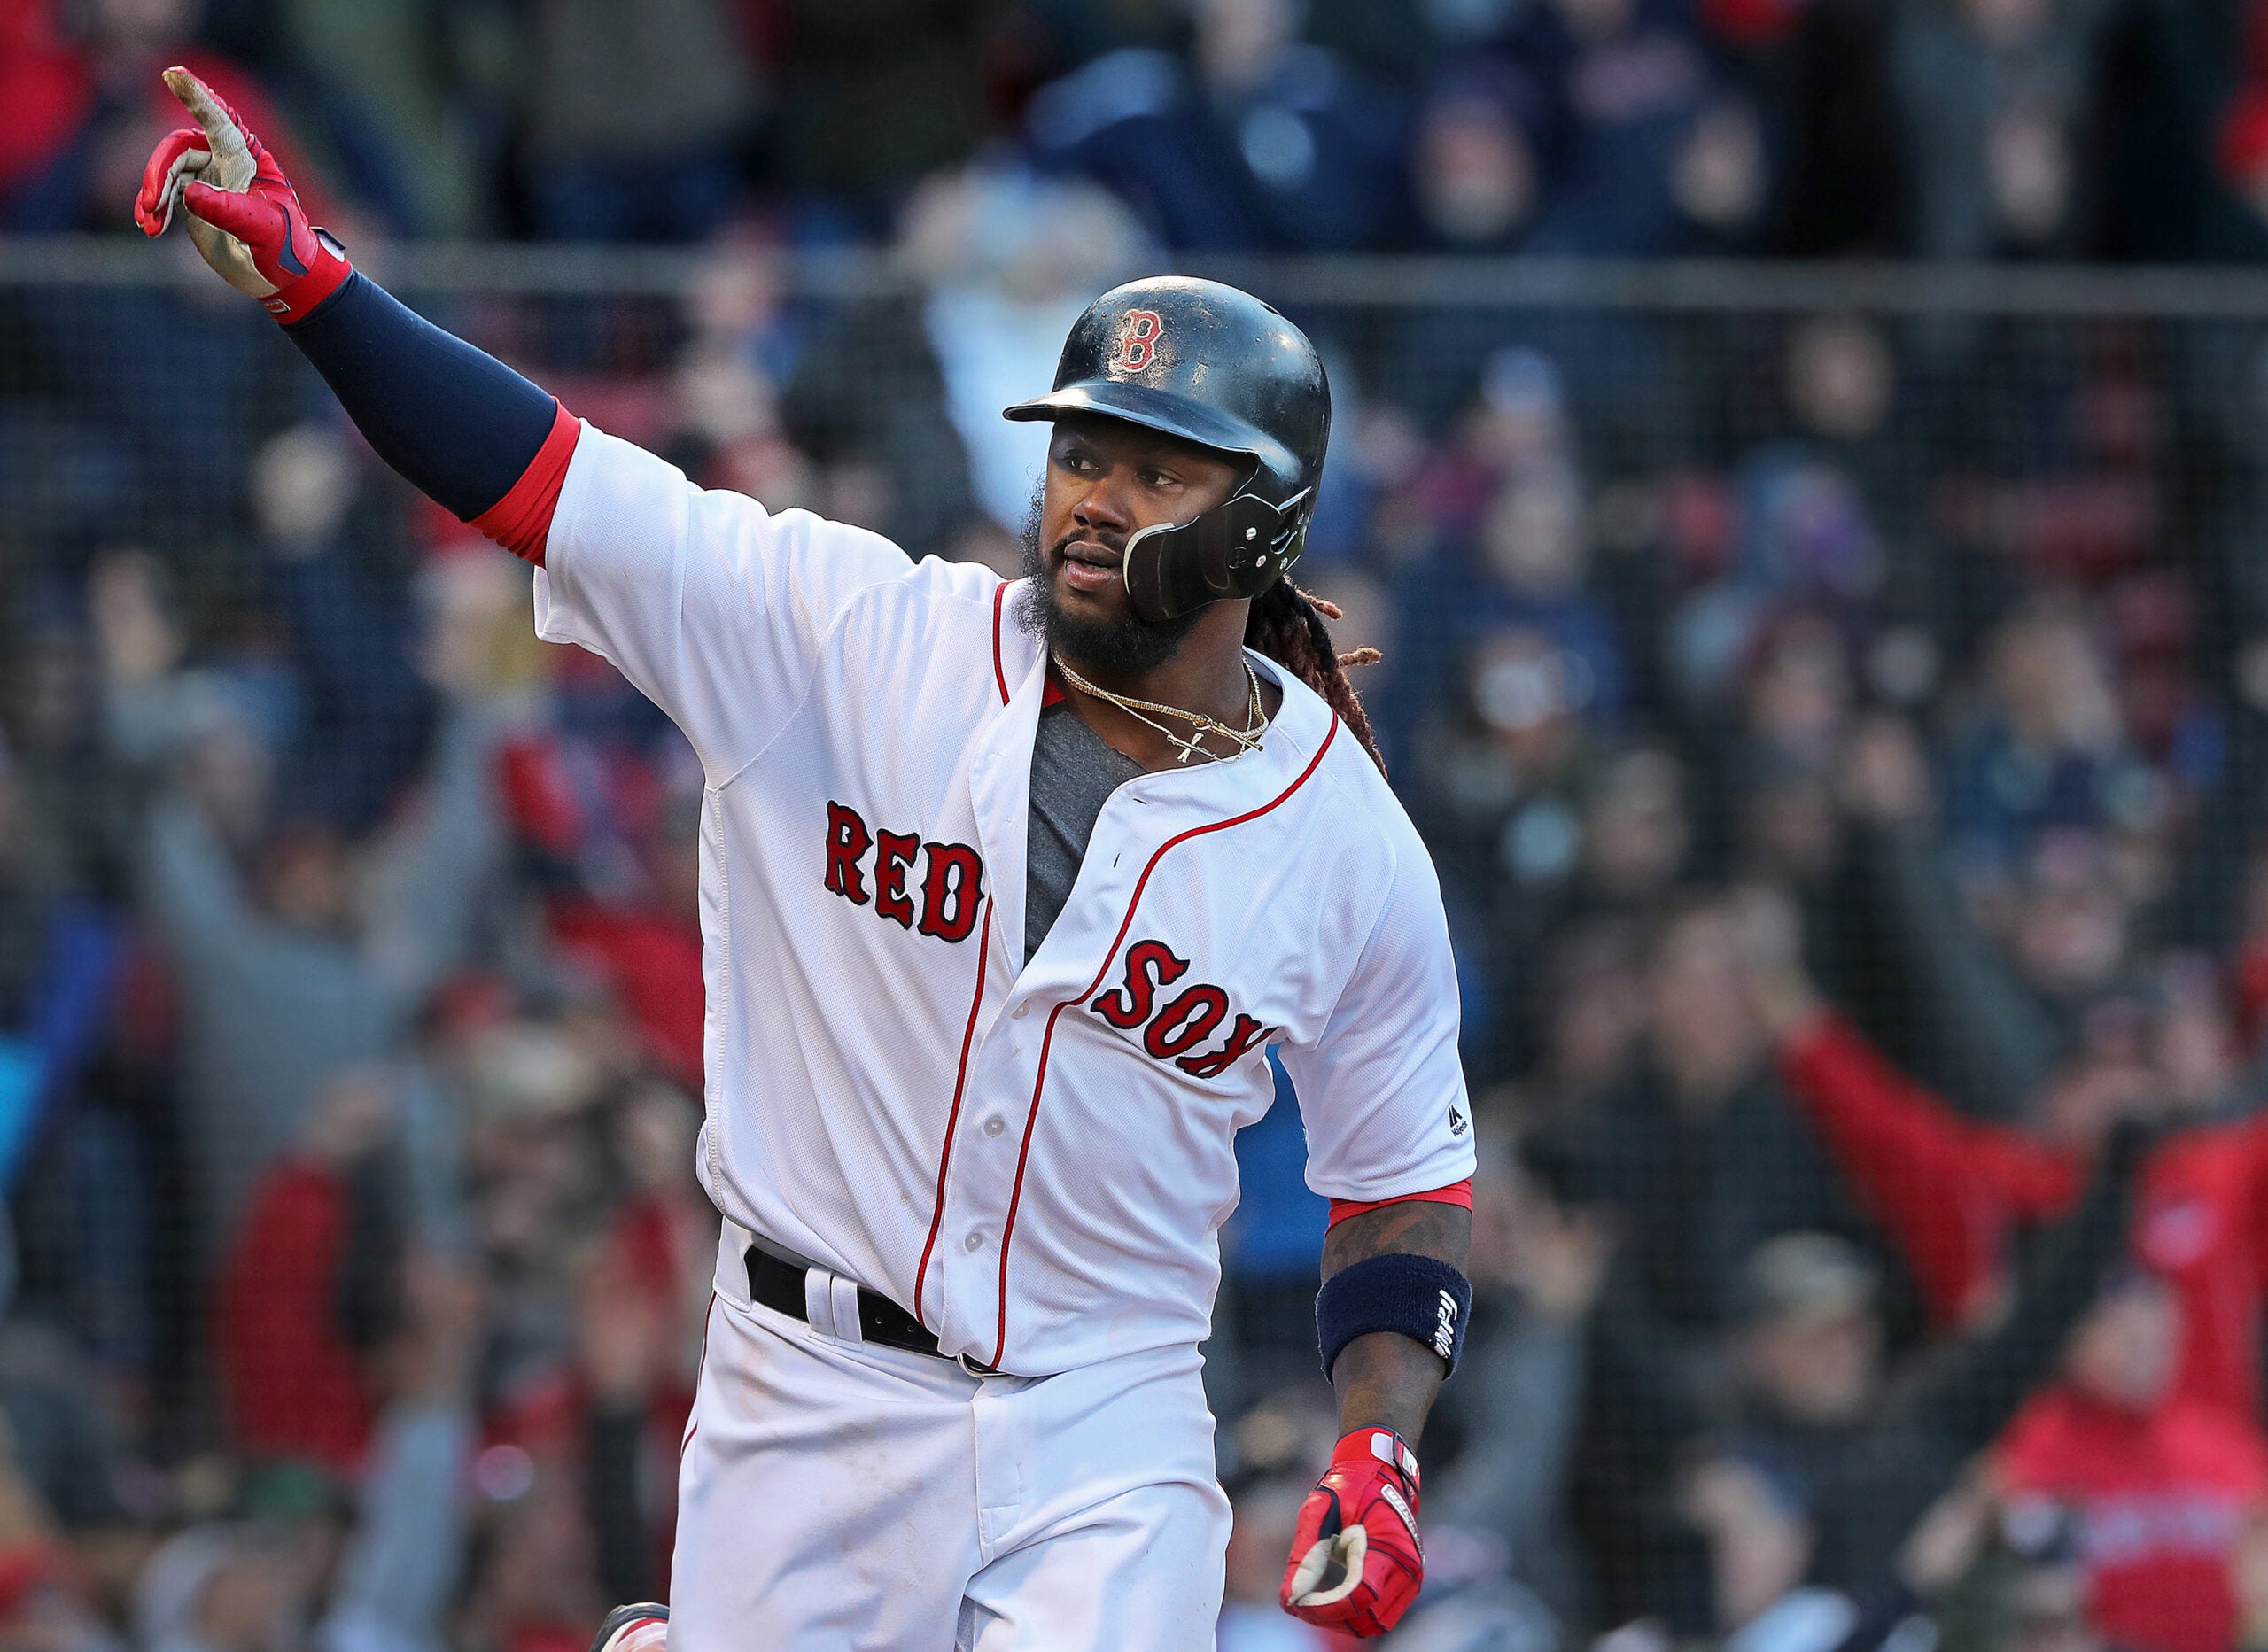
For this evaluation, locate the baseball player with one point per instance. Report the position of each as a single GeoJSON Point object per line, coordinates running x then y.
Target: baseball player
{"type": "Point", "coordinates": [1007, 888]}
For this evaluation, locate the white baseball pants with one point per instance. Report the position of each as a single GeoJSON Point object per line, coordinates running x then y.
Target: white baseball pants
{"type": "Point", "coordinates": [834, 1496]}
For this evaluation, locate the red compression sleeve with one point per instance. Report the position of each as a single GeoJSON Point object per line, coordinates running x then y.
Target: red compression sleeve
{"type": "Point", "coordinates": [1455, 1193]}
{"type": "Point", "coordinates": [521, 521]}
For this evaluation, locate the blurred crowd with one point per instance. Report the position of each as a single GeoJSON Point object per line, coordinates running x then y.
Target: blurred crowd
{"type": "Point", "coordinates": [1838, 739]}
{"type": "Point", "coordinates": [2120, 129]}
{"type": "Point", "coordinates": [1843, 739]}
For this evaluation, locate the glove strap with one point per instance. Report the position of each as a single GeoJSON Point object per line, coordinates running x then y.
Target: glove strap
{"type": "Point", "coordinates": [297, 300]}
{"type": "Point", "coordinates": [1376, 1444]}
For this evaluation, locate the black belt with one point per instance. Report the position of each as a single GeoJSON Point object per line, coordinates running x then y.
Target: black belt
{"type": "Point", "coordinates": [778, 1283]}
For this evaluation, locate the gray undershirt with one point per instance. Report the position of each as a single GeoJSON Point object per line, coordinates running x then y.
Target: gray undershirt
{"type": "Point", "coordinates": [1074, 771]}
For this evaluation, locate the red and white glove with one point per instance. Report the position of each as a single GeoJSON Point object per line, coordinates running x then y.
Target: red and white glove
{"type": "Point", "coordinates": [1356, 1561]}
{"type": "Point", "coordinates": [242, 212]}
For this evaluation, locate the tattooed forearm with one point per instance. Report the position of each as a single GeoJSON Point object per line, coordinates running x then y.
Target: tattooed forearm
{"type": "Point", "coordinates": [1386, 1380]}
{"type": "Point", "coordinates": [1413, 1228]}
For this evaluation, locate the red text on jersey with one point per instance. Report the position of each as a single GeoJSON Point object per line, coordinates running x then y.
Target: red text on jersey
{"type": "Point", "coordinates": [1173, 1030]}
{"type": "Point", "coordinates": [951, 888]}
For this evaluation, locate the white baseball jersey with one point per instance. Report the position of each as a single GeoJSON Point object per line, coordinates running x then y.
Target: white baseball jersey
{"type": "Point", "coordinates": [1033, 1154]}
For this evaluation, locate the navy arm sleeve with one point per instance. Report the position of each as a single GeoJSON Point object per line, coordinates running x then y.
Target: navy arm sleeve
{"type": "Point", "coordinates": [454, 421]}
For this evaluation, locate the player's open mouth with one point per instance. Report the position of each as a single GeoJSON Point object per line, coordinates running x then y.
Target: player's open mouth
{"type": "Point", "coordinates": [1089, 567]}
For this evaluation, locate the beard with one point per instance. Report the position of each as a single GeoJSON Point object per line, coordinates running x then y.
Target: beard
{"type": "Point", "coordinates": [1128, 647]}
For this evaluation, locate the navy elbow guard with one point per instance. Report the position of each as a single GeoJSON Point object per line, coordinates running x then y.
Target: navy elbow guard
{"type": "Point", "coordinates": [1426, 1300]}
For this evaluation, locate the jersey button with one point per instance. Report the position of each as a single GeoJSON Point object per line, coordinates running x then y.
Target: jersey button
{"type": "Point", "coordinates": [974, 1242]}
{"type": "Point", "coordinates": [994, 1125]}
{"type": "Point", "coordinates": [1023, 1010]}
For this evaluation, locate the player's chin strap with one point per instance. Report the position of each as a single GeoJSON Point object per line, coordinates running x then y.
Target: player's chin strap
{"type": "Point", "coordinates": [1237, 549]}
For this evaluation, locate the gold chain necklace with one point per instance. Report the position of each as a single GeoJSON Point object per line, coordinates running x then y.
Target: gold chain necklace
{"type": "Point", "coordinates": [1246, 738]}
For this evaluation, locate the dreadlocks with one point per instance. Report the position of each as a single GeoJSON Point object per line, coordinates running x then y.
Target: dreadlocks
{"type": "Point", "coordinates": [1286, 624]}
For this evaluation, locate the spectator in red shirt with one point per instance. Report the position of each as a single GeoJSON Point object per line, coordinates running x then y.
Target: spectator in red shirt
{"type": "Point", "coordinates": [2165, 1485]}
{"type": "Point", "coordinates": [1852, 1452]}
{"type": "Point", "coordinates": [609, 827]}
{"type": "Point", "coordinates": [43, 85]}
{"type": "Point", "coordinates": [296, 1381]}
{"type": "Point", "coordinates": [1951, 1192]}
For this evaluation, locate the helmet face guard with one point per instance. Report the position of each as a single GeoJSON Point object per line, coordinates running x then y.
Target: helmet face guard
{"type": "Point", "coordinates": [1236, 549]}
{"type": "Point", "coordinates": [1220, 369]}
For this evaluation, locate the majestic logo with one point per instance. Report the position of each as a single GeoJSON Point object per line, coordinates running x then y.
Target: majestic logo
{"type": "Point", "coordinates": [952, 876]}
{"type": "Point", "coordinates": [1445, 1327]}
{"type": "Point", "coordinates": [1173, 1031]}
{"type": "Point", "coordinates": [1138, 345]}
{"type": "Point", "coordinates": [1456, 1120]}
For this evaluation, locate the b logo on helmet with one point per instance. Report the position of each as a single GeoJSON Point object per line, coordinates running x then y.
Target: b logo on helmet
{"type": "Point", "coordinates": [1138, 347]}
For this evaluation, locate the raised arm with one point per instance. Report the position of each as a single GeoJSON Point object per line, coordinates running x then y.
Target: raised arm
{"type": "Point", "coordinates": [456, 422]}
{"type": "Point", "coordinates": [1946, 1189]}
{"type": "Point", "coordinates": [713, 607]}
{"type": "Point", "coordinates": [1974, 1387]}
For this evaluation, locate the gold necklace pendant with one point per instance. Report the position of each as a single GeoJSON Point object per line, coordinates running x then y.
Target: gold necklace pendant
{"type": "Point", "coordinates": [1246, 738]}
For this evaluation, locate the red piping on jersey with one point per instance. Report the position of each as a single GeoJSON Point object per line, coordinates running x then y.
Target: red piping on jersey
{"type": "Point", "coordinates": [953, 1119]}
{"type": "Point", "coordinates": [1049, 693]}
{"type": "Point", "coordinates": [1047, 1039]}
{"type": "Point", "coordinates": [521, 521]}
{"type": "Point", "coordinates": [1455, 1193]}
{"type": "Point", "coordinates": [999, 674]}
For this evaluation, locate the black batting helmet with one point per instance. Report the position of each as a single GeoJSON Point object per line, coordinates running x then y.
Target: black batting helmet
{"type": "Point", "coordinates": [1215, 367]}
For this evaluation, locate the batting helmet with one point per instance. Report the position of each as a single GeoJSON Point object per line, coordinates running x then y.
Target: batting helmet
{"type": "Point", "coordinates": [1219, 367]}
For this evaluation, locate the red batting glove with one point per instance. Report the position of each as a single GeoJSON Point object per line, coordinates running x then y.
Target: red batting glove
{"type": "Point", "coordinates": [243, 213]}
{"type": "Point", "coordinates": [1357, 1560]}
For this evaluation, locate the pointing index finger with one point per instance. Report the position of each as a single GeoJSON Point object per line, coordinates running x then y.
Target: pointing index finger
{"type": "Point", "coordinates": [231, 156]}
